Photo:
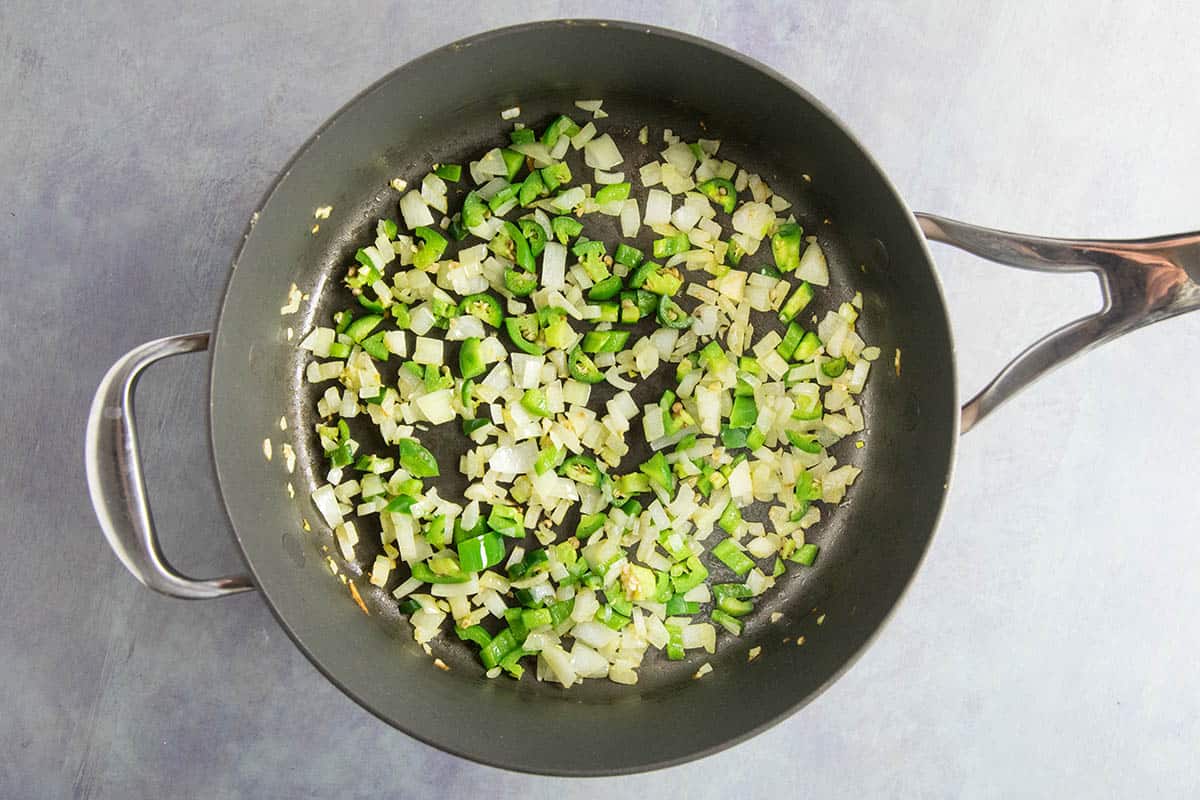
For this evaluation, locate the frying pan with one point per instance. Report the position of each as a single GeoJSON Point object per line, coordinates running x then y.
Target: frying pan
{"type": "Point", "coordinates": [444, 107]}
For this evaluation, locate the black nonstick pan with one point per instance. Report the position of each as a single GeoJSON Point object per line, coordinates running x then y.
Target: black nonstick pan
{"type": "Point", "coordinates": [444, 107]}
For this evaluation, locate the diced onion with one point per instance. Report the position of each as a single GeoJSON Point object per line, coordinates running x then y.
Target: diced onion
{"type": "Point", "coordinates": [602, 153]}
{"type": "Point", "coordinates": [414, 210]}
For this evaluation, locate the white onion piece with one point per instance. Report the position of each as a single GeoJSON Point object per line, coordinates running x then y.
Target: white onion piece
{"type": "Point", "coordinates": [630, 219]}
{"type": "Point", "coordinates": [585, 135]}
{"type": "Point", "coordinates": [569, 199]}
{"type": "Point", "coordinates": [602, 153]}
{"type": "Point", "coordinates": [658, 207]}
{"type": "Point", "coordinates": [554, 265]}
{"type": "Point", "coordinates": [414, 210]}
{"type": "Point", "coordinates": [514, 459]}
{"type": "Point", "coordinates": [813, 267]}
{"type": "Point", "coordinates": [327, 504]}
{"type": "Point", "coordinates": [535, 150]}
{"type": "Point", "coordinates": [681, 157]}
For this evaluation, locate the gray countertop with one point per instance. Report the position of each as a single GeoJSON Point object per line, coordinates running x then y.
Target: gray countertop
{"type": "Point", "coordinates": [1047, 648]}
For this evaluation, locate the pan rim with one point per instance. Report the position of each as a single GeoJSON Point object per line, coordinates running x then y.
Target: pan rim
{"type": "Point", "coordinates": [783, 712]}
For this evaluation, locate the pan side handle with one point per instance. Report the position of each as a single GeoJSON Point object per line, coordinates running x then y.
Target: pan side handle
{"type": "Point", "coordinates": [114, 476]}
{"type": "Point", "coordinates": [1141, 281]}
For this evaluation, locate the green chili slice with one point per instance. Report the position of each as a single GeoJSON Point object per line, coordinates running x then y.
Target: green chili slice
{"type": "Point", "coordinates": [671, 315]}
{"type": "Point", "coordinates": [433, 245]}
{"type": "Point", "coordinates": [720, 191]}
{"type": "Point", "coordinates": [523, 331]}
{"type": "Point", "coordinates": [582, 368]}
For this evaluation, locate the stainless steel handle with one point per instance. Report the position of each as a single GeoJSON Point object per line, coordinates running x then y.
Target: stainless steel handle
{"type": "Point", "coordinates": [1141, 281]}
{"type": "Point", "coordinates": [114, 475]}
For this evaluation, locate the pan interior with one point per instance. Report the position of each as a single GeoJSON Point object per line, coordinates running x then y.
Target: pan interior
{"type": "Point", "coordinates": [445, 108]}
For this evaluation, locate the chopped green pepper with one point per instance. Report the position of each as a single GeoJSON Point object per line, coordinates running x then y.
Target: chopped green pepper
{"type": "Point", "coordinates": [665, 281]}
{"type": "Point", "coordinates": [744, 412]}
{"type": "Point", "coordinates": [735, 606]}
{"type": "Point", "coordinates": [609, 311]}
{"type": "Point", "coordinates": [375, 347]}
{"type": "Point", "coordinates": [433, 245]}
{"type": "Point", "coordinates": [506, 521]}
{"type": "Point", "coordinates": [513, 161]}
{"type": "Point", "coordinates": [360, 328]}
{"type": "Point", "coordinates": [806, 487]}
{"type": "Point", "coordinates": [522, 136]}
{"type": "Point", "coordinates": [678, 607]}
{"type": "Point", "coordinates": [659, 472]}
{"type": "Point", "coordinates": [560, 611]}
{"type": "Point", "coordinates": [533, 618]}
{"type": "Point", "coordinates": [582, 368]}
{"type": "Point", "coordinates": [604, 341]}
{"type": "Point", "coordinates": [732, 556]}
{"type": "Point", "coordinates": [369, 304]}
{"type": "Point", "coordinates": [456, 229]}
{"type": "Point", "coordinates": [612, 193]}
{"type": "Point", "coordinates": [720, 191]}
{"type": "Point", "coordinates": [534, 401]}
{"type": "Point", "coordinates": [483, 307]}
{"type": "Point", "coordinates": [467, 396]}
{"type": "Point", "coordinates": [647, 302]}
{"type": "Point", "coordinates": [589, 524]}
{"type": "Point", "coordinates": [480, 552]}
{"type": "Point", "coordinates": [834, 367]}
{"type": "Point", "coordinates": [675, 650]}
{"type": "Point", "coordinates": [565, 228]}
{"type": "Point", "coordinates": [469, 426]}
{"type": "Point", "coordinates": [547, 459]}
{"type": "Point", "coordinates": [611, 617]}
{"type": "Point", "coordinates": [630, 313]}
{"type": "Point", "coordinates": [519, 282]}
{"type": "Point", "coordinates": [581, 469]}
{"type": "Point", "coordinates": [629, 256]}
{"type": "Point", "coordinates": [797, 302]}
{"type": "Point", "coordinates": [470, 358]}
{"type": "Point", "coordinates": [510, 243]}
{"type": "Point", "coordinates": [808, 408]}
{"type": "Point", "coordinates": [416, 460]}
{"type": "Point", "coordinates": [738, 590]}
{"type": "Point", "coordinates": [448, 172]}
{"type": "Point", "coordinates": [785, 246]}
{"type": "Point", "coordinates": [532, 188]}
{"type": "Point", "coordinates": [735, 253]}
{"type": "Point", "coordinates": [556, 175]}
{"type": "Point", "coordinates": [534, 234]}
{"type": "Point", "coordinates": [670, 245]}
{"type": "Point", "coordinates": [477, 634]}
{"type": "Point", "coordinates": [726, 621]}
{"type": "Point", "coordinates": [808, 444]}
{"type": "Point", "coordinates": [806, 554]}
{"type": "Point", "coordinates": [807, 348]}
{"type": "Point", "coordinates": [422, 572]}
{"type": "Point", "coordinates": [605, 289]}
{"type": "Point", "coordinates": [474, 210]}
{"type": "Point", "coordinates": [657, 279]}
{"type": "Point", "coordinates": [562, 125]}
{"type": "Point", "coordinates": [492, 653]}
{"type": "Point", "coordinates": [671, 315]}
{"type": "Point", "coordinates": [791, 340]}
{"type": "Point", "coordinates": [504, 199]}
{"type": "Point", "coordinates": [523, 331]}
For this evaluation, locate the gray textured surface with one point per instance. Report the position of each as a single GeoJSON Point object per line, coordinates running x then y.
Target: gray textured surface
{"type": "Point", "coordinates": [1049, 645]}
